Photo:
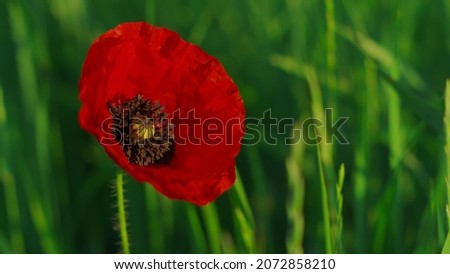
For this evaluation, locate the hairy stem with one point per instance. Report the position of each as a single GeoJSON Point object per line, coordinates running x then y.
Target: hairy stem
{"type": "Point", "coordinates": [121, 213]}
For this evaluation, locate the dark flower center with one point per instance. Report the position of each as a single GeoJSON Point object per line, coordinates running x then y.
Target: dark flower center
{"type": "Point", "coordinates": [143, 130]}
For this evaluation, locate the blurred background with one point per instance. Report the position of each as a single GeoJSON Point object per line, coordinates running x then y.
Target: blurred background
{"type": "Point", "coordinates": [382, 63]}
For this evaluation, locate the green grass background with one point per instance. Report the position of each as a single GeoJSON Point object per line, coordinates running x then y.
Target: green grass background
{"type": "Point", "coordinates": [383, 64]}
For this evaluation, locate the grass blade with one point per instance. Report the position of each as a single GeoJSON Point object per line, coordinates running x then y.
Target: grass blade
{"type": "Point", "coordinates": [211, 219]}
{"type": "Point", "coordinates": [331, 48]}
{"type": "Point", "coordinates": [156, 231]}
{"type": "Point", "coordinates": [198, 240]}
{"type": "Point", "coordinates": [325, 205]}
{"type": "Point", "coordinates": [446, 248]}
{"type": "Point", "coordinates": [295, 200]}
{"type": "Point", "coordinates": [447, 146]}
{"type": "Point", "coordinates": [339, 245]}
{"type": "Point", "coordinates": [243, 217]}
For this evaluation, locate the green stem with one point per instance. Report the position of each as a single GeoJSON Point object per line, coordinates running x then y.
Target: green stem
{"type": "Point", "coordinates": [325, 206]}
{"type": "Point", "coordinates": [331, 48]}
{"type": "Point", "coordinates": [121, 213]}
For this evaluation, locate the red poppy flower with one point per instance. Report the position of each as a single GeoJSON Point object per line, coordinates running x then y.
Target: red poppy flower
{"type": "Point", "coordinates": [164, 110]}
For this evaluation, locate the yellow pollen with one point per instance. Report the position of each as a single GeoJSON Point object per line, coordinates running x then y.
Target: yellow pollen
{"type": "Point", "coordinates": [142, 131]}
